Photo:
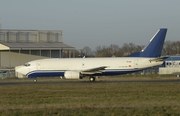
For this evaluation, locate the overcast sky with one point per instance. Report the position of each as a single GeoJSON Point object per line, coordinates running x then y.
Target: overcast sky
{"type": "Point", "coordinates": [95, 22]}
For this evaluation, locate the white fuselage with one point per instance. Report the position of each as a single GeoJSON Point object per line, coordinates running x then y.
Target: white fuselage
{"type": "Point", "coordinates": [58, 66]}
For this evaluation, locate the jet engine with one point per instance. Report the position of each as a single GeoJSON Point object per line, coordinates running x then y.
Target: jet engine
{"type": "Point", "coordinates": [72, 75]}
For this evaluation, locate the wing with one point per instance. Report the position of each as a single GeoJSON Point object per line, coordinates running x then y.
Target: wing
{"type": "Point", "coordinates": [96, 70]}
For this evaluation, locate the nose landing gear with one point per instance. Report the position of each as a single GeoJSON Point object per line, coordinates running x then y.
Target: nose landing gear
{"type": "Point", "coordinates": [35, 80]}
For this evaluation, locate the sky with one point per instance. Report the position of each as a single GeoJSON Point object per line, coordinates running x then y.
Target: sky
{"type": "Point", "coordinates": [95, 22]}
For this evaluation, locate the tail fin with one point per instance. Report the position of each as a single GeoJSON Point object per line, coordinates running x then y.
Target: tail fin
{"type": "Point", "coordinates": [154, 48]}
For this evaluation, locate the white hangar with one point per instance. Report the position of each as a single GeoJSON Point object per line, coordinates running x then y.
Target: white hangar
{"type": "Point", "coordinates": [20, 46]}
{"type": "Point", "coordinates": [171, 65]}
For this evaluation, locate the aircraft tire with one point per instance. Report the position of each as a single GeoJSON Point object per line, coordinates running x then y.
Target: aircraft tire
{"type": "Point", "coordinates": [92, 79]}
{"type": "Point", "coordinates": [35, 80]}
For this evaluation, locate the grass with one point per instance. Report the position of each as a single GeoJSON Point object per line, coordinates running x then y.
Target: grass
{"type": "Point", "coordinates": [107, 99]}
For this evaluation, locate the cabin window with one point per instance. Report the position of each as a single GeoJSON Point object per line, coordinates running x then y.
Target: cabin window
{"type": "Point", "coordinates": [27, 64]}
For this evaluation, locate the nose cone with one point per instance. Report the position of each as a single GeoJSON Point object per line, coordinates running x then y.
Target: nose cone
{"type": "Point", "coordinates": [21, 71]}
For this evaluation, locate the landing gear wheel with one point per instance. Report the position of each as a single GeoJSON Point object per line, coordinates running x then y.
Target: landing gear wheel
{"type": "Point", "coordinates": [92, 79]}
{"type": "Point", "coordinates": [35, 80]}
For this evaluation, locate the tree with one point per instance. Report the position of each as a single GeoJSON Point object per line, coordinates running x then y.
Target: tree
{"type": "Point", "coordinates": [86, 51]}
{"type": "Point", "coordinates": [171, 48]}
{"type": "Point", "coordinates": [130, 48]}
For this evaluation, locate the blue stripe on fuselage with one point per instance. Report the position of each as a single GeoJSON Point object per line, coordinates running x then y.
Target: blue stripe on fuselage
{"type": "Point", "coordinates": [38, 73]}
{"type": "Point", "coordinates": [116, 72]}
{"type": "Point", "coordinates": [52, 73]}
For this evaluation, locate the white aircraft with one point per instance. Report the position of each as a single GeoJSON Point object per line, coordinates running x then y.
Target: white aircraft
{"type": "Point", "coordinates": [78, 68]}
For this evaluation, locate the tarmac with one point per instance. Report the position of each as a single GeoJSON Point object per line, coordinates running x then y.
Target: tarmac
{"type": "Point", "coordinates": [7, 83]}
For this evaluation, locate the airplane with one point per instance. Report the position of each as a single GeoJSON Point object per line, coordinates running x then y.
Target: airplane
{"type": "Point", "coordinates": [79, 68]}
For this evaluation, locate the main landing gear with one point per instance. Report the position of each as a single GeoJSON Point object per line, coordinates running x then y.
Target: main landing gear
{"type": "Point", "coordinates": [92, 78]}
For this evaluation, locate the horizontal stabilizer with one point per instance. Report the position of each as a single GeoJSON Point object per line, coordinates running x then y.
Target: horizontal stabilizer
{"type": "Point", "coordinates": [159, 59]}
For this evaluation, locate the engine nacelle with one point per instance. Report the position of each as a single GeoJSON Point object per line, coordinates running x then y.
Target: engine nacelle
{"type": "Point", "coordinates": [71, 75]}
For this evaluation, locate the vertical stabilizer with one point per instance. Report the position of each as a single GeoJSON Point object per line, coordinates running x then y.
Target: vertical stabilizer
{"type": "Point", "coordinates": [154, 48]}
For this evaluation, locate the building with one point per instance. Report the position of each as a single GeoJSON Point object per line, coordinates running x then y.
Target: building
{"type": "Point", "coordinates": [20, 46]}
{"type": "Point", "coordinates": [171, 66]}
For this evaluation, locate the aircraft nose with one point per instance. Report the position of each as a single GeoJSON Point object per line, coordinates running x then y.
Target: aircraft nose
{"type": "Point", "coordinates": [20, 72]}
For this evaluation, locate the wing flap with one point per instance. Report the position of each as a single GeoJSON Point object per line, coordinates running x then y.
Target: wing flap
{"type": "Point", "coordinates": [96, 70]}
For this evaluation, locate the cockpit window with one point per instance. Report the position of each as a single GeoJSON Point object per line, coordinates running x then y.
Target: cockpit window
{"type": "Point", "coordinates": [27, 64]}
